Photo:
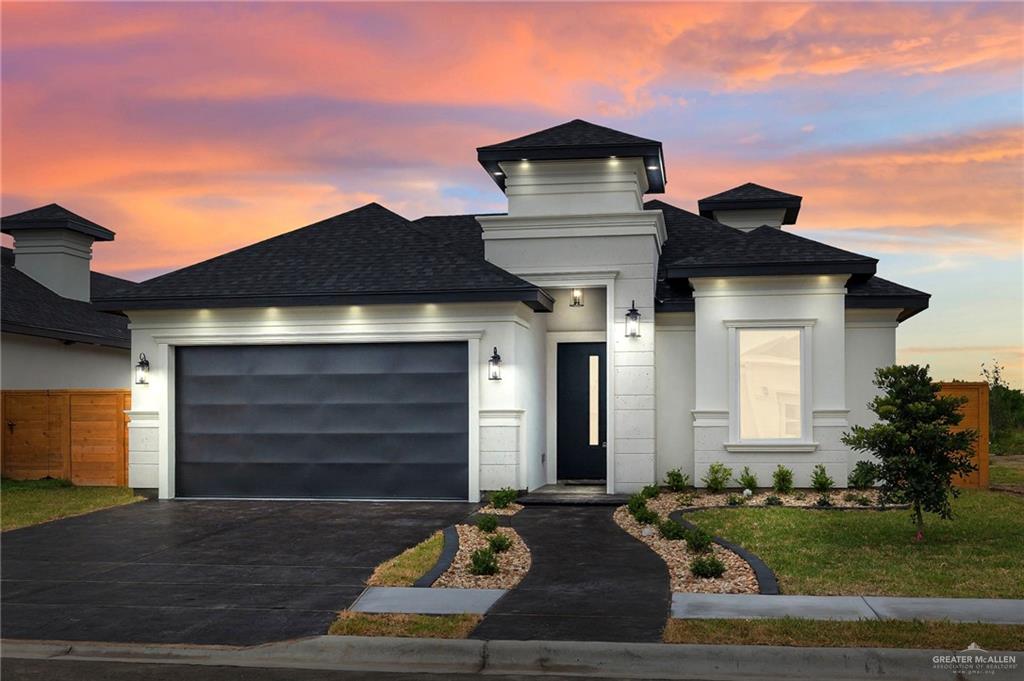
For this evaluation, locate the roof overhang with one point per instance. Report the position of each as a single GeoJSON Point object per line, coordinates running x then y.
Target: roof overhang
{"type": "Point", "coordinates": [536, 299]}
{"type": "Point", "coordinates": [66, 336]}
{"type": "Point", "coordinates": [858, 269]}
{"type": "Point", "coordinates": [708, 207]}
{"type": "Point", "coordinates": [910, 305]}
{"type": "Point", "coordinates": [651, 153]}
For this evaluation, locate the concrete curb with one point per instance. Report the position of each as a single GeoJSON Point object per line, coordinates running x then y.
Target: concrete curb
{"type": "Point", "coordinates": [594, 660]}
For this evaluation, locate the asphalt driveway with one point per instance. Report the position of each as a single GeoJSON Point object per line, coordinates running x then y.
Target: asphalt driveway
{"type": "Point", "coordinates": [215, 572]}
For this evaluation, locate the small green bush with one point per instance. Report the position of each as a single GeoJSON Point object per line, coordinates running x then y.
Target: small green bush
{"type": "Point", "coordinates": [823, 500]}
{"type": "Point", "coordinates": [499, 543]}
{"type": "Point", "coordinates": [859, 499]}
{"type": "Point", "coordinates": [735, 500]}
{"type": "Point", "coordinates": [676, 480]}
{"type": "Point", "coordinates": [646, 516]}
{"type": "Point", "coordinates": [863, 476]}
{"type": "Point", "coordinates": [504, 497]}
{"type": "Point", "coordinates": [650, 491]}
{"type": "Point", "coordinates": [670, 529]}
{"type": "Point", "coordinates": [800, 496]}
{"type": "Point", "coordinates": [483, 562]}
{"type": "Point", "coordinates": [635, 503]}
{"type": "Point", "coordinates": [772, 500]}
{"type": "Point", "coordinates": [707, 567]}
{"type": "Point", "coordinates": [686, 499]}
{"type": "Point", "coordinates": [821, 482]}
{"type": "Point", "coordinates": [698, 540]}
{"type": "Point", "coordinates": [487, 523]}
{"type": "Point", "coordinates": [717, 477]}
{"type": "Point", "coordinates": [782, 480]}
{"type": "Point", "coordinates": [747, 480]}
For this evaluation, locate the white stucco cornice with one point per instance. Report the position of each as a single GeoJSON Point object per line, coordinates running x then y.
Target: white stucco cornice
{"type": "Point", "coordinates": [639, 223]}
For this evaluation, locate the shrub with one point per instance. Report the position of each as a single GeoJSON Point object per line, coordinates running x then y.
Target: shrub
{"type": "Point", "coordinates": [487, 522]}
{"type": "Point", "coordinates": [735, 500]}
{"type": "Point", "coordinates": [799, 496]}
{"type": "Point", "coordinates": [747, 480]}
{"type": "Point", "coordinates": [635, 503]}
{"type": "Point", "coordinates": [782, 480]}
{"type": "Point", "coordinates": [686, 499]}
{"type": "Point", "coordinates": [717, 477]}
{"type": "Point", "coordinates": [698, 540]}
{"type": "Point", "coordinates": [863, 475]}
{"type": "Point", "coordinates": [503, 497]}
{"type": "Point", "coordinates": [859, 499]}
{"type": "Point", "coordinates": [676, 480]}
{"type": "Point", "coordinates": [670, 529]}
{"type": "Point", "coordinates": [650, 491]}
{"type": "Point", "coordinates": [918, 451]}
{"type": "Point", "coordinates": [772, 500]}
{"type": "Point", "coordinates": [707, 567]}
{"type": "Point", "coordinates": [823, 500]}
{"type": "Point", "coordinates": [499, 543]}
{"type": "Point", "coordinates": [821, 482]}
{"type": "Point", "coordinates": [646, 516]}
{"type": "Point", "coordinates": [483, 562]}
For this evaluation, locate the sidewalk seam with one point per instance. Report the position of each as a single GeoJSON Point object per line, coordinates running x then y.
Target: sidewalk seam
{"type": "Point", "coordinates": [877, 616]}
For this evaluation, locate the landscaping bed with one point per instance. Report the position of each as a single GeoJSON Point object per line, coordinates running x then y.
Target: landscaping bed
{"type": "Point", "coordinates": [666, 502]}
{"type": "Point", "coordinates": [29, 502]}
{"type": "Point", "coordinates": [509, 510]}
{"type": "Point", "coordinates": [512, 563]}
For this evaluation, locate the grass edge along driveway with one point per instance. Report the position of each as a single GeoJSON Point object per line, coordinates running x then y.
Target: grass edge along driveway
{"type": "Point", "coordinates": [978, 554]}
{"type": "Point", "coordinates": [30, 502]}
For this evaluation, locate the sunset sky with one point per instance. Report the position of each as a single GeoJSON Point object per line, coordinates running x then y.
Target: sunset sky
{"type": "Point", "coordinates": [191, 129]}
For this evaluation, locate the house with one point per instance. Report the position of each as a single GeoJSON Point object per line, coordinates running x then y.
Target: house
{"type": "Point", "coordinates": [584, 335]}
{"type": "Point", "coordinates": [53, 336]}
{"type": "Point", "coordinates": [65, 366]}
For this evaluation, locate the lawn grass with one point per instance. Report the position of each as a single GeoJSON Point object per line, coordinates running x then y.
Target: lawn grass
{"type": "Point", "coordinates": [408, 566]}
{"type": "Point", "coordinates": [406, 626]}
{"type": "Point", "coordinates": [1006, 470]}
{"type": "Point", "coordinates": [29, 502]}
{"type": "Point", "coordinates": [863, 634]}
{"type": "Point", "coordinates": [978, 554]}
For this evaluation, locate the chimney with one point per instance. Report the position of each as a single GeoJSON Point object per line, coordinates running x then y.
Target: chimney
{"type": "Point", "coordinates": [54, 246]}
{"type": "Point", "coordinates": [750, 206]}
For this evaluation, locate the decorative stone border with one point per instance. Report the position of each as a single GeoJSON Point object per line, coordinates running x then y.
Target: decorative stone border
{"type": "Point", "coordinates": [444, 561]}
{"type": "Point", "coordinates": [767, 582]}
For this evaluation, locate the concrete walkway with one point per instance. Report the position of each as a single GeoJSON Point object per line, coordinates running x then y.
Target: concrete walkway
{"type": "Point", "coordinates": [750, 606]}
{"type": "Point", "coordinates": [427, 601]}
{"type": "Point", "coordinates": [589, 581]}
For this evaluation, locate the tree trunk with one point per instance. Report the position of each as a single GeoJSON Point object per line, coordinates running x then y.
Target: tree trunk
{"type": "Point", "coordinates": [919, 521]}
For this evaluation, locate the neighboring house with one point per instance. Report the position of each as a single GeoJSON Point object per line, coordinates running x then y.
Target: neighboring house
{"type": "Point", "coordinates": [359, 356]}
{"type": "Point", "coordinates": [53, 336]}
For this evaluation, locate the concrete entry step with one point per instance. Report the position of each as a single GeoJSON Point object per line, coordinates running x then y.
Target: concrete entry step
{"type": "Point", "coordinates": [419, 601]}
{"type": "Point", "coordinates": [563, 494]}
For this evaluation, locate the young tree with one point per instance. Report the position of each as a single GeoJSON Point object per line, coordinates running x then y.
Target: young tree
{"type": "Point", "coordinates": [918, 450]}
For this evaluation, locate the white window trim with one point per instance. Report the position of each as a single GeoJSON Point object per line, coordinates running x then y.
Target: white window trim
{"type": "Point", "coordinates": [805, 442]}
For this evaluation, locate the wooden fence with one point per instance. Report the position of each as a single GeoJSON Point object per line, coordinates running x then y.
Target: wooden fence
{"type": "Point", "coordinates": [976, 417]}
{"type": "Point", "coordinates": [78, 435]}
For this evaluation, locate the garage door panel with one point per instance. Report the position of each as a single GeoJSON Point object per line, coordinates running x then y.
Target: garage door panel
{"type": "Point", "coordinates": [386, 420]}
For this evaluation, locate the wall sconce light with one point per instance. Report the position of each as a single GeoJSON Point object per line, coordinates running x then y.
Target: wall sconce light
{"type": "Point", "coordinates": [633, 322]}
{"type": "Point", "coordinates": [142, 370]}
{"type": "Point", "coordinates": [576, 298]}
{"type": "Point", "coordinates": [494, 366]}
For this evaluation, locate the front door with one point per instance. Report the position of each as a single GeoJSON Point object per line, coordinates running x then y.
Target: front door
{"type": "Point", "coordinates": [581, 411]}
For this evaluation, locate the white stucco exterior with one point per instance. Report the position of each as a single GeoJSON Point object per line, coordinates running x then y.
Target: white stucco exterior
{"type": "Point", "coordinates": [36, 363]}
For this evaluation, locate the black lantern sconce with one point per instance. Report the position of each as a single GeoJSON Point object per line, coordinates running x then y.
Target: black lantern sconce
{"type": "Point", "coordinates": [142, 370]}
{"type": "Point", "coordinates": [576, 298]}
{"type": "Point", "coordinates": [494, 366]}
{"type": "Point", "coordinates": [633, 322]}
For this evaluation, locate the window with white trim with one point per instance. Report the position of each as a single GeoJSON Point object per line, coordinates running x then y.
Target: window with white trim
{"type": "Point", "coordinates": [770, 383]}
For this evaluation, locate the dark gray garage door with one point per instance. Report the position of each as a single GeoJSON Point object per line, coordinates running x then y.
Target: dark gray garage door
{"type": "Point", "coordinates": [381, 420]}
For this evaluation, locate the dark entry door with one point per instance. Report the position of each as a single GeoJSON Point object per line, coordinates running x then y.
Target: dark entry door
{"type": "Point", "coordinates": [374, 420]}
{"type": "Point", "coordinates": [581, 411]}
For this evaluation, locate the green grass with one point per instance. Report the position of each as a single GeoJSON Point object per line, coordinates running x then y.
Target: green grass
{"type": "Point", "coordinates": [977, 554]}
{"type": "Point", "coordinates": [1006, 470]}
{"type": "Point", "coordinates": [862, 634]}
{"type": "Point", "coordinates": [29, 502]}
{"type": "Point", "coordinates": [406, 626]}
{"type": "Point", "coordinates": [408, 566]}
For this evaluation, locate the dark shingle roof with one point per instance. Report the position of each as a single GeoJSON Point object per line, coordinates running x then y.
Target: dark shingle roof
{"type": "Point", "coordinates": [367, 255]}
{"type": "Point", "coordinates": [459, 230]}
{"type": "Point", "coordinates": [751, 196]}
{"type": "Point", "coordinates": [770, 251]}
{"type": "Point", "coordinates": [577, 139]}
{"type": "Point", "coordinates": [30, 308]}
{"type": "Point", "coordinates": [881, 293]}
{"type": "Point", "coordinates": [54, 216]}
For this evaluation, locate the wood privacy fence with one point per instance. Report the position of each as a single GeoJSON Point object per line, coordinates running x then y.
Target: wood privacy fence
{"type": "Point", "coordinates": [78, 435]}
{"type": "Point", "coordinates": [976, 417]}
